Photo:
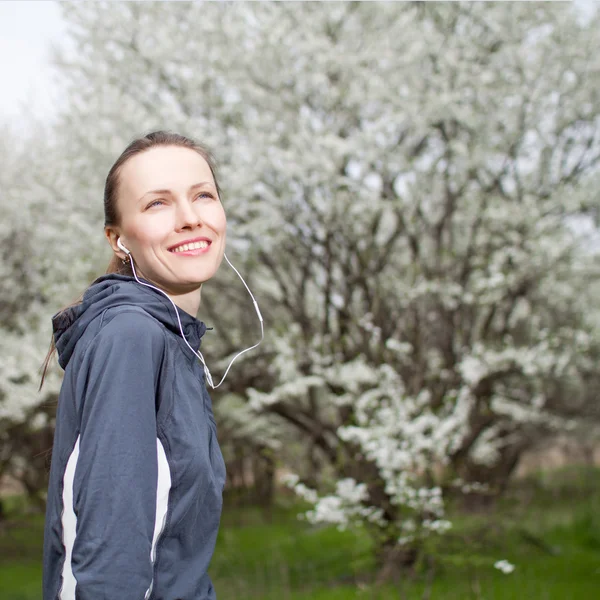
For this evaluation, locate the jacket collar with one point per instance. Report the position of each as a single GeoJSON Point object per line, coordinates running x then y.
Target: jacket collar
{"type": "Point", "coordinates": [113, 290]}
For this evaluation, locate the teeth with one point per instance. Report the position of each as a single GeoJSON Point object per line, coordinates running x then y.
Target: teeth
{"type": "Point", "coordinates": [193, 246]}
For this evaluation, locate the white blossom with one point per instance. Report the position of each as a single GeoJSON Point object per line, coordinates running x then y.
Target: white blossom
{"type": "Point", "coordinates": [504, 566]}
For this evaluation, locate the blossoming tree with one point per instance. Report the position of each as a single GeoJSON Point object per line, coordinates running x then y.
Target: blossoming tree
{"type": "Point", "coordinates": [404, 185]}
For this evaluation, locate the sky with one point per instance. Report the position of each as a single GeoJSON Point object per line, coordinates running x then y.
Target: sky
{"type": "Point", "coordinates": [27, 29]}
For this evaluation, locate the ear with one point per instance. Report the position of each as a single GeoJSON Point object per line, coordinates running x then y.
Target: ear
{"type": "Point", "coordinates": [112, 235]}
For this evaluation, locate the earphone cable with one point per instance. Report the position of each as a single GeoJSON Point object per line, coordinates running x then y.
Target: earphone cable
{"type": "Point", "coordinates": [207, 373]}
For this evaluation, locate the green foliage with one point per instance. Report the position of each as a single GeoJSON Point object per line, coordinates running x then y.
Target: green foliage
{"type": "Point", "coordinates": [548, 528]}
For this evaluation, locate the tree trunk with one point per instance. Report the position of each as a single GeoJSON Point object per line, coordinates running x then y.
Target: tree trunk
{"type": "Point", "coordinates": [496, 477]}
{"type": "Point", "coordinates": [394, 561]}
{"type": "Point", "coordinates": [264, 479]}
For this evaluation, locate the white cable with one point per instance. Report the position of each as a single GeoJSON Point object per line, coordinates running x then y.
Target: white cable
{"type": "Point", "coordinates": [198, 353]}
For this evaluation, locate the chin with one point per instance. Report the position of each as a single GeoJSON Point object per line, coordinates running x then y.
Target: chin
{"type": "Point", "coordinates": [195, 280]}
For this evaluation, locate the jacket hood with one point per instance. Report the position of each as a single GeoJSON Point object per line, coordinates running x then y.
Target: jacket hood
{"type": "Point", "coordinates": [112, 290]}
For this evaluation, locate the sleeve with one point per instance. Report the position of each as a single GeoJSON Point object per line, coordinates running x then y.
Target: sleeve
{"type": "Point", "coordinates": [115, 478]}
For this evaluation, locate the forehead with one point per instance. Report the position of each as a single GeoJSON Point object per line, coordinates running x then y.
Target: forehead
{"type": "Point", "coordinates": [163, 167]}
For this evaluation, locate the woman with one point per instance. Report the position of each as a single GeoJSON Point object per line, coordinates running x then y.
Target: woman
{"type": "Point", "coordinates": [137, 475]}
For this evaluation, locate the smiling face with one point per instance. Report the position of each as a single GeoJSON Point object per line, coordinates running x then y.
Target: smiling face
{"type": "Point", "coordinates": [171, 220]}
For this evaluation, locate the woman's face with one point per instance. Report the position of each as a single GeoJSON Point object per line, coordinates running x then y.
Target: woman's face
{"type": "Point", "coordinates": [172, 220]}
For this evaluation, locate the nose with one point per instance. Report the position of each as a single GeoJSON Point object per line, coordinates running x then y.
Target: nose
{"type": "Point", "coordinates": [187, 217]}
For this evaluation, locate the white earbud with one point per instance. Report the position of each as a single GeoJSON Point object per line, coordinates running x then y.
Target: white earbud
{"type": "Point", "coordinates": [120, 244]}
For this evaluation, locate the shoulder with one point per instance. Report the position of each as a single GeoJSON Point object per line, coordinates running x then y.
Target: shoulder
{"type": "Point", "coordinates": [131, 318]}
{"type": "Point", "coordinates": [129, 327]}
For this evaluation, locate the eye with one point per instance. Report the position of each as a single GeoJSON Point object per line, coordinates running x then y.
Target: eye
{"type": "Point", "coordinates": [159, 201]}
{"type": "Point", "coordinates": [204, 195]}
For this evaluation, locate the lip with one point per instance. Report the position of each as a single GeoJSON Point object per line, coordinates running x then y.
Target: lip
{"type": "Point", "coordinates": [198, 239]}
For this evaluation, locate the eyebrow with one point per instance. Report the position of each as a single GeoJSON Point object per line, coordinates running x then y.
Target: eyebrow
{"type": "Point", "coordinates": [192, 187]}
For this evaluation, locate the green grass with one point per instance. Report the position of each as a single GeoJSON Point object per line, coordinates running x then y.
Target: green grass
{"type": "Point", "coordinates": [548, 528]}
{"type": "Point", "coordinates": [20, 557]}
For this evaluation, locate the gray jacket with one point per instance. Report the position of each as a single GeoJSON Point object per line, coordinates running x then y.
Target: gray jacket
{"type": "Point", "coordinates": [137, 475]}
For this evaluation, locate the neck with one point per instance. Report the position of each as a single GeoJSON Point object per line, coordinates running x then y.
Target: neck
{"type": "Point", "coordinates": [189, 301]}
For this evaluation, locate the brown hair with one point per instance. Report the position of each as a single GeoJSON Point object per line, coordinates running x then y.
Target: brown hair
{"type": "Point", "coordinates": [111, 192]}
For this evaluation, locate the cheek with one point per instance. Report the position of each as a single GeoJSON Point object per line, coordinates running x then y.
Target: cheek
{"type": "Point", "coordinates": [150, 232]}
{"type": "Point", "coordinates": [216, 219]}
